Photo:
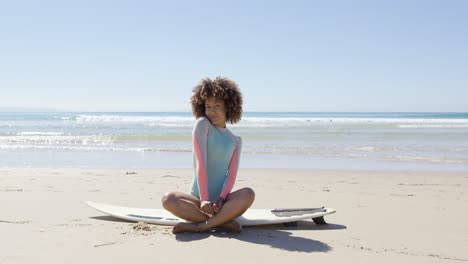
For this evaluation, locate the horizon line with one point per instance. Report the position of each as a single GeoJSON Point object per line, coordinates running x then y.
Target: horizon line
{"type": "Point", "coordinates": [51, 110]}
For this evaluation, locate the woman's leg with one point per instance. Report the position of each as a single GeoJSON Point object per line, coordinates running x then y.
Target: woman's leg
{"type": "Point", "coordinates": [236, 204]}
{"type": "Point", "coordinates": [185, 206]}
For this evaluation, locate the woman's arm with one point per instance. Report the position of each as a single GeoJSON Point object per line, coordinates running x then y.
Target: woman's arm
{"type": "Point", "coordinates": [233, 168]}
{"type": "Point", "coordinates": [200, 138]}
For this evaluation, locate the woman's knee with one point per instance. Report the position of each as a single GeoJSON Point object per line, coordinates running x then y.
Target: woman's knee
{"type": "Point", "coordinates": [248, 194]}
{"type": "Point", "coordinates": [168, 200]}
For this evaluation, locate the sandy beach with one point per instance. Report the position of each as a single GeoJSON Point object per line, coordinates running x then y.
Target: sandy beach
{"type": "Point", "coordinates": [355, 107]}
{"type": "Point", "coordinates": [382, 217]}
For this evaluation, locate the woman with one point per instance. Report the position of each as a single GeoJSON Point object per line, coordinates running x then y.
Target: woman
{"type": "Point", "coordinates": [216, 152]}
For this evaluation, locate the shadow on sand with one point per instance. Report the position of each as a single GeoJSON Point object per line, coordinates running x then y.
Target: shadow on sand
{"type": "Point", "coordinates": [110, 218]}
{"type": "Point", "coordinates": [275, 236]}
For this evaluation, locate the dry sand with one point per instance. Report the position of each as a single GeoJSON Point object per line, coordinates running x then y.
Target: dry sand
{"type": "Point", "coordinates": [382, 217]}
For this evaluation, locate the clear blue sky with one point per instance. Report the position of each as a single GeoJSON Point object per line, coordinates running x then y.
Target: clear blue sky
{"type": "Point", "coordinates": [285, 55]}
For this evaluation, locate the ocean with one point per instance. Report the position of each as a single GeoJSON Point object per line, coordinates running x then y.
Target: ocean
{"type": "Point", "coordinates": [341, 141]}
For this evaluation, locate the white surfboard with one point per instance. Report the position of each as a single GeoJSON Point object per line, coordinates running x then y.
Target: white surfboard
{"type": "Point", "coordinates": [251, 217]}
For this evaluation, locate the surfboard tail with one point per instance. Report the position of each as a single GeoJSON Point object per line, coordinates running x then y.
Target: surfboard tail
{"type": "Point", "coordinates": [286, 212]}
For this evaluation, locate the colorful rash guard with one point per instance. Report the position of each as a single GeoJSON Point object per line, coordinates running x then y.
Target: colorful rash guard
{"type": "Point", "coordinates": [216, 153]}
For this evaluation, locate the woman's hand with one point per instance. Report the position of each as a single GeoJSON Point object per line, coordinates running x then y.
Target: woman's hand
{"type": "Point", "coordinates": [207, 208]}
{"type": "Point", "coordinates": [218, 205]}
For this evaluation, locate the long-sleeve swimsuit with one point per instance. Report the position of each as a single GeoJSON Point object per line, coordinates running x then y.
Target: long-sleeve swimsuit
{"type": "Point", "coordinates": [216, 153]}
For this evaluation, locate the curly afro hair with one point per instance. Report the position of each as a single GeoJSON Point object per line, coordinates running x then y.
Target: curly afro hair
{"type": "Point", "coordinates": [222, 89]}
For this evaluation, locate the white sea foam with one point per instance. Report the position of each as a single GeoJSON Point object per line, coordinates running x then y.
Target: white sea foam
{"type": "Point", "coordinates": [170, 125]}
{"type": "Point", "coordinates": [305, 120]}
{"type": "Point", "coordinates": [424, 159]}
{"type": "Point", "coordinates": [39, 133]}
{"type": "Point", "coordinates": [369, 149]}
{"type": "Point", "coordinates": [249, 121]}
{"type": "Point", "coordinates": [55, 139]}
{"type": "Point", "coordinates": [90, 148]}
{"type": "Point", "coordinates": [134, 119]}
{"type": "Point", "coordinates": [435, 126]}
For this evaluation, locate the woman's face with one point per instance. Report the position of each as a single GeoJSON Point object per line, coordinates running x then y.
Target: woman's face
{"type": "Point", "coordinates": [215, 110]}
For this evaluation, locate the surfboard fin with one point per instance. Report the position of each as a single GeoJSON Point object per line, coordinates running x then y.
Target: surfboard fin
{"type": "Point", "coordinates": [319, 221]}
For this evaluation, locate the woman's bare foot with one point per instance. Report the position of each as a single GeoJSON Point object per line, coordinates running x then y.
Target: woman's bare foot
{"type": "Point", "coordinates": [232, 227]}
{"type": "Point", "coordinates": [187, 227]}
{"type": "Point", "coordinates": [182, 227]}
